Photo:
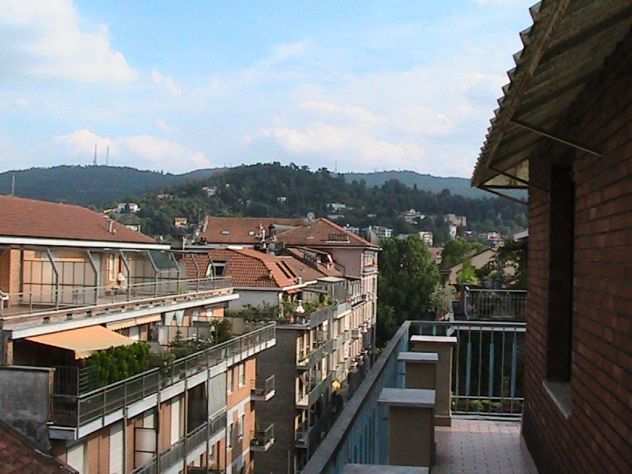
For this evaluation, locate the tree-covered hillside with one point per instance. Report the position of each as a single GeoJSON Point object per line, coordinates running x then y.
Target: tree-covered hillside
{"type": "Point", "coordinates": [292, 191]}
{"type": "Point", "coordinates": [91, 184]}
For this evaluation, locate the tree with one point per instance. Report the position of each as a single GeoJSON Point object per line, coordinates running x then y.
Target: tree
{"type": "Point", "coordinates": [407, 282]}
{"type": "Point", "coordinates": [456, 251]}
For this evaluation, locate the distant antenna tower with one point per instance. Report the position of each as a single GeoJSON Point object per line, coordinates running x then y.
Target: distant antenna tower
{"type": "Point", "coordinates": [107, 156]}
{"type": "Point", "coordinates": [94, 159]}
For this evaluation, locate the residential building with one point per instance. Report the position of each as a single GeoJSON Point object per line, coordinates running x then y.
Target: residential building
{"type": "Point", "coordinates": [379, 231]}
{"type": "Point", "coordinates": [127, 207]}
{"type": "Point", "coordinates": [180, 222]}
{"type": "Point", "coordinates": [572, 119]}
{"type": "Point", "coordinates": [452, 231]}
{"type": "Point", "coordinates": [459, 221]}
{"type": "Point", "coordinates": [412, 216]}
{"type": "Point", "coordinates": [427, 238]}
{"type": "Point", "coordinates": [75, 288]}
{"type": "Point", "coordinates": [336, 206]}
{"type": "Point", "coordinates": [210, 190]}
{"type": "Point", "coordinates": [322, 351]}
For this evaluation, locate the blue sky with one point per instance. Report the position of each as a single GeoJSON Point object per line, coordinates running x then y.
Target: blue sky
{"type": "Point", "coordinates": [174, 86]}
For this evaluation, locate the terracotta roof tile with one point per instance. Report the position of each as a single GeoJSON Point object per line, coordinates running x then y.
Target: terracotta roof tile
{"type": "Point", "coordinates": [241, 230]}
{"type": "Point", "coordinates": [19, 456]}
{"type": "Point", "coordinates": [322, 232]}
{"type": "Point", "coordinates": [20, 217]}
{"type": "Point", "coordinates": [251, 268]}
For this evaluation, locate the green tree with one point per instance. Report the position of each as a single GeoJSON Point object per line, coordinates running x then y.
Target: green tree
{"type": "Point", "coordinates": [407, 282]}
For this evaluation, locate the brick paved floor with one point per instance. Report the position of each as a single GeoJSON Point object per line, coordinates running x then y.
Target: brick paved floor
{"type": "Point", "coordinates": [482, 447]}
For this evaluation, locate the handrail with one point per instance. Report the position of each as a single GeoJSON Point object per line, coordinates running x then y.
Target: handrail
{"type": "Point", "coordinates": [99, 402]}
{"type": "Point", "coordinates": [131, 293]}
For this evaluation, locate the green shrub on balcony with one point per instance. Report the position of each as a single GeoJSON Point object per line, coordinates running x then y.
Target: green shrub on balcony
{"type": "Point", "coordinates": [118, 363]}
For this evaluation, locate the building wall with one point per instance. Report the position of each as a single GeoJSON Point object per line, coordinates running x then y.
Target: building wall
{"type": "Point", "coordinates": [279, 361]}
{"type": "Point", "coordinates": [597, 435]}
{"type": "Point", "coordinates": [238, 404]}
{"type": "Point", "coordinates": [255, 298]}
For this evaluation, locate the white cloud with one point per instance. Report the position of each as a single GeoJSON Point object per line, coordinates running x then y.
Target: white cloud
{"type": "Point", "coordinates": [46, 39]}
{"type": "Point", "coordinates": [155, 152]}
{"type": "Point", "coordinates": [167, 83]}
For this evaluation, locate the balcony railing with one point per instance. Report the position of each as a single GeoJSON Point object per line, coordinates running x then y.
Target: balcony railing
{"type": "Point", "coordinates": [262, 439]}
{"type": "Point", "coordinates": [483, 304]}
{"type": "Point", "coordinates": [77, 410]}
{"type": "Point", "coordinates": [177, 453]}
{"type": "Point", "coordinates": [494, 352]}
{"type": "Point", "coordinates": [263, 392]}
{"type": "Point", "coordinates": [314, 390]}
{"type": "Point", "coordinates": [24, 308]}
{"type": "Point", "coordinates": [308, 358]}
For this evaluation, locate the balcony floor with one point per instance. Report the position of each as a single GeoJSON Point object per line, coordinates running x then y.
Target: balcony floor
{"type": "Point", "coordinates": [482, 447]}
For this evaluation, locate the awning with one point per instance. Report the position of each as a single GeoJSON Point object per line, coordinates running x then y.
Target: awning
{"type": "Point", "coordinates": [128, 323]}
{"type": "Point", "coordinates": [84, 341]}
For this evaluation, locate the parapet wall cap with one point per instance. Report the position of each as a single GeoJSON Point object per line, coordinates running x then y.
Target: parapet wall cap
{"type": "Point", "coordinates": [408, 397]}
{"type": "Point", "coordinates": [437, 339]}
{"type": "Point", "coordinates": [419, 357]}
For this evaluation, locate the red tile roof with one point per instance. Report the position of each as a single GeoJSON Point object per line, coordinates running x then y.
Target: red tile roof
{"type": "Point", "coordinates": [241, 230]}
{"type": "Point", "coordinates": [20, 217]}
{"type": "Point", "coordinates": [315, 259]}
{"type": "Point", "coordinates": [19, 456]}
{"type": "Point", "coordinates": [322, 233]}
{"type": "Point", "coordinates": [251, 268]}
{"type": "Point", "coordinates": [244, 230]}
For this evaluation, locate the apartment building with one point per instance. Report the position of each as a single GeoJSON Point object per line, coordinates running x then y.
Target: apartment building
{"type": "Point", "coordinates": [321, 352]}
{"type": "Point", "coordinates": [77, 288]}
{"type": "Point", "coordinates": [563, 133]}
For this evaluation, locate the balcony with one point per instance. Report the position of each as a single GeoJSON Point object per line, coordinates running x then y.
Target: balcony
{"type": "Point", "coordinates": [28, 314]}
{"type": "Point", "coordinates": [314, 391]}
{"type": "Point", "coordinates": [484, 396]}
{"type": "Point", "coordinates": [356, 334]}
{"type": "Point", "coordinates": [80, 413]}
{"type": "Point", "coordinates": [265, 392]}
{"type": "Point", "coordinates": [187, 449]}
{"type": "Point", "coordinates": [307, 359]}
{"type": "Point", "coordinates": [262, 440]}
{"type": "Point", "coordinates": [501, 305]}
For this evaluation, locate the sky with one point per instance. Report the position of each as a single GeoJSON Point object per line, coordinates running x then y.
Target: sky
{"type": "Point", "coordinates": [355, 85]}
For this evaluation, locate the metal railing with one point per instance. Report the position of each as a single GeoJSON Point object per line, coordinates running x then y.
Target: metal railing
{"type": "Point", "coordinates": [487, 364]}
{"type": "Point", "coordinates": [315, 388]}
{"type": "Point", "coordinates": [176, 453]}
{"type": "Point", "coordinates": [72, 410]}
{"type": "Point", "coordinates": [494, 351]}
{"type": "Point", "coordinates": [495, 304]}
{"type": "Point", "coordinates": [262, 437]}
{"type": "Point", "coordinates": [262, 391]}
{"type": "Point", "coordinates": [15, 305]}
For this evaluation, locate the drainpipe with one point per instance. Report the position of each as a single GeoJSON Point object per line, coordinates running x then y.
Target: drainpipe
{"type": "Point", "coordinates": [56, 271]}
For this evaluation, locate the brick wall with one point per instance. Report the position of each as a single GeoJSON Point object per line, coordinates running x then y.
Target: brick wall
{"type": "Point", "coordinates": [597, 436]}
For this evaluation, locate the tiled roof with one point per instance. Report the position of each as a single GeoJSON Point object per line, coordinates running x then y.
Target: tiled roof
{"type": "Point", "coordinates": [20, 217]}
{"type": "Point", "coordinates": [251, 268]}
{"type": "Point", "coordinates": [322, 232]}
{"type": "Point", "coordinates": [245, 230]}
{"type": "Point", "coordinates": [19, 456]}
{"type": "Point", "coordinates": [311, 258]}
{"type": "Point", "coordinates": [241, 230]}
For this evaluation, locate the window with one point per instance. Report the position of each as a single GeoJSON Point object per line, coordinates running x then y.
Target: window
{"type": "Point", "coordinates": [242, 375]}
{"type": "Point", "coordinates": [231, 434]}
{"type": "Point", "coordinates": [229, 380]}
{"type": "Point", "coordinates": [561, 286]}
{"type": "Point", "coordinates": [241, 425]}
{"type": "Point", "coordinates": [216, 269]}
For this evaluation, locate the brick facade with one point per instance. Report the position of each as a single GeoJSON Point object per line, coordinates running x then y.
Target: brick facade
{"type": "Point", "coordinates": [596, 437]}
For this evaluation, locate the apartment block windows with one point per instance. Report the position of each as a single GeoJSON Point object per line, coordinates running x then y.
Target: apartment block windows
{"type": "Point", "coordinates": [229, 380]}
{"type": "Point", "coordinates": [561, 284]}
{"type": "Point", "coordinates": [231, 434]}
{"type": "Point", "coordinates": [242, 375]}
{"type": "Point", "coordinates": [241, 425]}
